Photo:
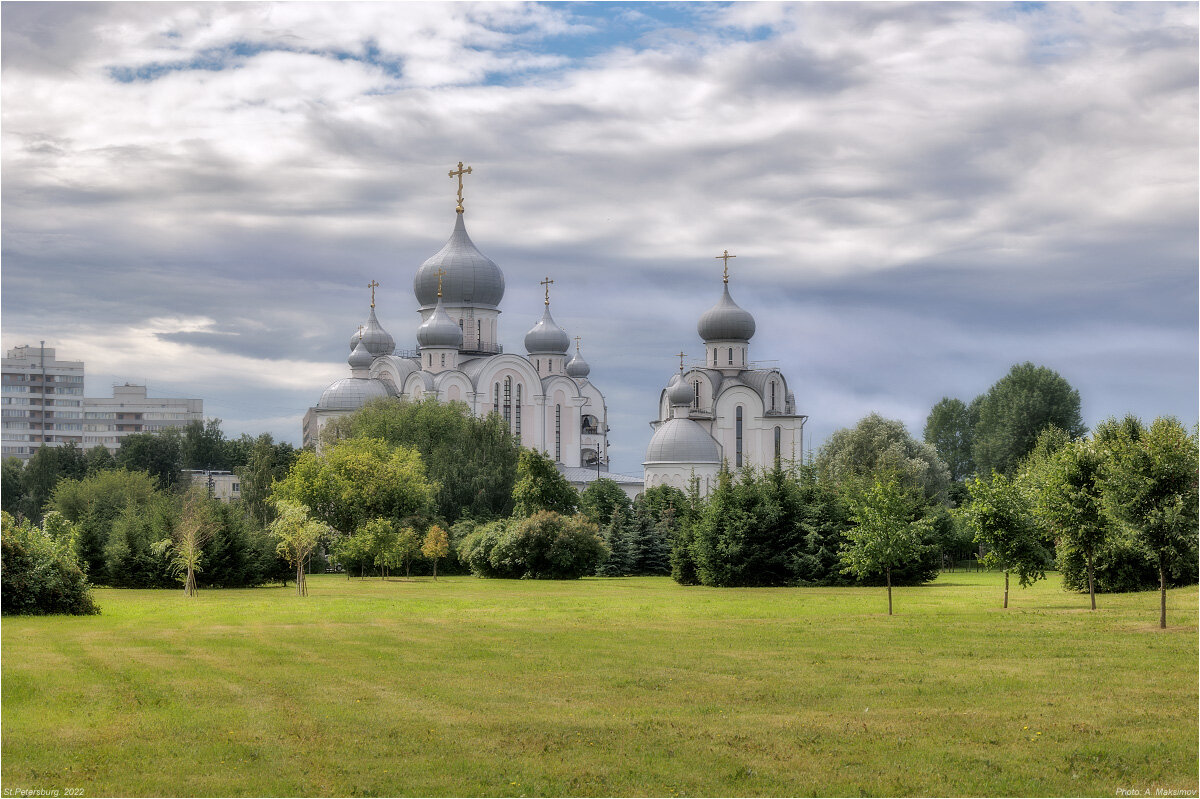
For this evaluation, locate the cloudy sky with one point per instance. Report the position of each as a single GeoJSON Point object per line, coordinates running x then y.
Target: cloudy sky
{"type": "Point", "coordinates": [195, 195]}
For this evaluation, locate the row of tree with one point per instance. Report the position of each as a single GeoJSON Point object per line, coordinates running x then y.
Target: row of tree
{"type": "Point", "coordinates": [1117, 510]}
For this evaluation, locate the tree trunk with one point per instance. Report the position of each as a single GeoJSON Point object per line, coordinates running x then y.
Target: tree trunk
{"type": "Point", "coordinates": [1006, 590]}
{"type": "Point", "coordinates": [1162, 587]}
{"type": "Point", "coordinates": [888, 572]}
{"type": "Point", "coordinates": [435, 570]}
{"type": "Point", "coordinates": [1091, 579]}
{"type": "Point", "coordinates": [300, 579]}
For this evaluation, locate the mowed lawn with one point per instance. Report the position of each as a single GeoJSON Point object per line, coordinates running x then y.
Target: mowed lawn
{"type": "Point", "coordinates": [604, 687]}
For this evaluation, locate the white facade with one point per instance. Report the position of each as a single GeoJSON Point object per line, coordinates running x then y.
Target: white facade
{"type": "Point", "coordinates": [545, 396]}
{"type": "Point", "coordinates": [724, 410]}
{"type": "Point", "coordinates": [225, 486]}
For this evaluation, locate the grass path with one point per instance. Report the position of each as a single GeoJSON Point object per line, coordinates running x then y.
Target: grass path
{"type": "Point", "coordinates": [604, 687]}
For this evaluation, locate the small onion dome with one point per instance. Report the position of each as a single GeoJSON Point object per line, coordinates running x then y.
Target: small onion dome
{"type": "Point", "coordinates": [351, 393]}
{"type": "Point", "coordinates": [546, 337]}
{"type": "Point", "coordinates": [682, 441]}
{"type": "Point", "coordinates": [439, 330]}
{"type": "Point", "coordinates": [725, 321]}
{"type": "Point", "coordinates": [360, 358]}
{"type": "Point", "coordinates": [377, 340]}
{"type": "Point", "coordinates": [577, 367]}
{"type": "Point", "coordinates": [682, 393]}
{"type": "Point", "coordinates": [470, 278]}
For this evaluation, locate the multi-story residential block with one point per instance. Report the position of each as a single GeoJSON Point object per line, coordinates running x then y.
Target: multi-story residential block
{"type": "Point", "coordinates": [225, 486]}
{"type": "Point", "coordinates": [43, 405]}
{"type": "Point", "coordinates": [42, 401]}
{"type": "Point", "coordinates": [106, 420]}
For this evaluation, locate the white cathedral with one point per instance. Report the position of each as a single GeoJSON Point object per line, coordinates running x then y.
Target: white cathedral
{"type": "Point", "coordinates": [726, 410]}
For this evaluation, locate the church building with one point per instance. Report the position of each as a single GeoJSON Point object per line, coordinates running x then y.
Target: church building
{"type": "Point", "coordinates": [545, 396]}
{"type": "Point", "coordinates": [723, 410]}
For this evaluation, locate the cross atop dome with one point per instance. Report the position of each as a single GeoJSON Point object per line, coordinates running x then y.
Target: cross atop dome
{"type": "Point", "coordinates": [459, 174]}
{"type": "Point", "coordinates": [725, 257]}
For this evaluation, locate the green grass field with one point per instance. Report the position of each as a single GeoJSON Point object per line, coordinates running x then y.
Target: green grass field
{"type": "Point", "coordinates": [604, 687]}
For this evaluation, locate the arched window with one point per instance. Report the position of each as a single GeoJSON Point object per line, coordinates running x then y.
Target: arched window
{"type": "Point", "coordinates": [517, 415]}
{"type": "Point", "coordinates": [508, 400]}
{"type": "Point", "coordinates": [431, 359]}
{"type": "Point", "coordinates": [738, 436]}
{"type": "Point", "coordinates": [479, 330]}
{"type": "Point", "coordinates": [443, 359]}
{"type": "Point", "coordinates": [778, 439]}
{"type": "Point", "coordinates": [731, 356]}
{"type": "Point", "coordinates": [714, 356]}
{"type": "Point", "coordinates": [496, 398]}
{"type": "Point", "coordinates": [460, 324]}
{"type": "Point", "coordinates": [557, 433]}
{"type": "Point", "coordinates": [538, 363]}
{"type": "Point", "coordinates": [696, 386]}
{"type": "Point", "coordinates": [773, 408]}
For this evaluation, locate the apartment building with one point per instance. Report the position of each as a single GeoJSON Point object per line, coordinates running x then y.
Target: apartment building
{"type": "Point", "coordinates": [106, 420]}
{"type": "Point", "coordinates": [42, 401]}
{"type": "Point", "coordinates": [43, 405]}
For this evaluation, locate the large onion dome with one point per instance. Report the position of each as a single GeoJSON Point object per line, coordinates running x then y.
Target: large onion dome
{"type": "Point", "coordinates": [439, 330]}
{"type": "Point", "coordinates": [470, 278]}
{"type": "Point", "coordinates": [351, 393]}
{"type": "Point", "coordinates": [725, 321]}
{"type": "Point", "coordinates": [546, 337]}
{"type": "Point", "coordinates": [681, 440]}
{"type": "Point", "coordinates": [577, 367]}
{"type": "Point", "coordinates": [377, 340]}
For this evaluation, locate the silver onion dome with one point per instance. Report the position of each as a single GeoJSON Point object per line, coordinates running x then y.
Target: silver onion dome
{"type": "Point", "coordinates": [726, 321]}
{"type": "Point", "coordinates": [360, 358]}
{"type": "Point", "coordinates": [577, 367]}
{"type": "Point", "coordinates": [682, 441]}
{"type": "Point", "coordinates": [546, 337]}
{"type": "Point", "coordinates": [351, 393]}
{"type": "Point", "coordinates": [377, 340]}
{"type": "Point", "coordinates": [439, 330]}
{"type": "Point", "coordinates": [470, 277]}
{"type": "Point", "coordinates": [681, 393]}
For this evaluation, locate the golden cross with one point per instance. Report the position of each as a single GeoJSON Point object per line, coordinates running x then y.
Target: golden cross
{"type": "Point", "coordinates": [577, 344]}
{"type": "Point", "coordinates": [725, 257]}
{"type": "Point", "coordinates": [458, 174]}
{"type": "Point", "coordinates": [547, 283]}
{"type": "Point", "coordinates": [372, 286]}
{"type": "Point", "coordinates": [681, 363]}
{"type": "Point", "coordinates": [440, 272]}
{"type": "Point", "coordinates": [360, 332]}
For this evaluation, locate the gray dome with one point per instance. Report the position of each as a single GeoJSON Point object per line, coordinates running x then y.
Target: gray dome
{"type": "Point", "coordinates": [439, 330]}
{"type": "Point", "coordinates": [681, 393]}
{"type": "Point", "coordinates": [546, 337]}
{"type": "Point", "coordinates": [578, 367]}
{"type": "Point", "coordinates": [360, 358]}
{"type": "Point", "coordinates": [682, 441]}
{"type": "Point", "coordinates": [725, 321]}
{"type": "Point", "coordinates": [377, 340]}
{"type": "Point", "coordinates": [471, 278]}
{"type": "Point", "coordinates": [351, 393]}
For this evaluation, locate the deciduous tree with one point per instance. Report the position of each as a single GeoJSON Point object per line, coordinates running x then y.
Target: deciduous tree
{"type": "Point", "coordinates": [1016, 409]}
{"type": "Point", "coordinates": [877, 446]}
{"type": "Point", "coordinates": [1151, 485]}
{"type": "Point", "coordinates": [889, 530]}
{"type": "Point", "coordinates": [435, 546]}
{"type": "Point", "coordinates": [297, 535]}
{"type": "Point", "coordinates": [540, 487]}
{"type": "Point", "coordinates": [1000, 516]}
{"type": "Point", "coordinates": [950, 429]}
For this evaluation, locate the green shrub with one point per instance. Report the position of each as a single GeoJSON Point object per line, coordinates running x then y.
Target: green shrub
{"type": "Point", "coordinates": [39, 573]}
{"type": "Point", "coordinates": [1122, 564]}
{"type": "Point", "coordinates": [544, 546]}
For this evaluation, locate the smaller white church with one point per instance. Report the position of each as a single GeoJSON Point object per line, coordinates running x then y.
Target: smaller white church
{"type": "Point", "coordinates": [723, 410]}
